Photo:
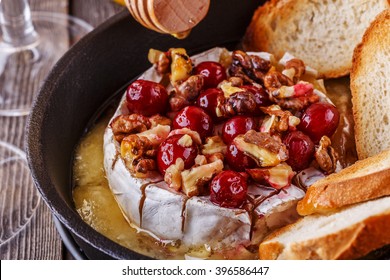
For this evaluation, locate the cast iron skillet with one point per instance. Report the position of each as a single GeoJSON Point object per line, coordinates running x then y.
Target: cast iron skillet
{"type": "Point", "coordinates": [88, 75]}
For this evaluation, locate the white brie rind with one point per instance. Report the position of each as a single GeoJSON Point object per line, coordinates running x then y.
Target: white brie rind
{"type": "Point", "coordinates": [169, 216]}
{"type": "Point", "coordinates": [162, 212]}
{"type": "Point", "coordinates": [207, 223]}
{"type": "Point", "coordinates": [277, 211]}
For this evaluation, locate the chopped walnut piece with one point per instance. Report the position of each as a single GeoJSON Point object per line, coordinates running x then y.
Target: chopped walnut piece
{"type": "Point", "coordinates": [293, 122]}
{"type": "Point", "coordinates": [177, 103]}
{"type": "Point", "coordinates": [295, 97]}
{"type": "Point", "coordinates": [229, 89]}
{"type": "Point", "coordinates": [264, 140]}
{"type": "Point", "coordinates": [297, 104]}
{"type": "Point", "coordinates": [139, 150]}
{"type": "Point", "coordinates": [225, 59]}
{"type": "Point", "coordinates": [236, 81]}
{"type": "Point", "coordinates": [194, 134]}
{"type": "Point", "coordinates": [265, 149]}
{"type": "Point", "coordinates": [214, 149]}
{"type": "Point", "coordinates": [181, 66]}
{"type": "Point", "coordinates": [200, 160]}
{"type": "Point", "coordinates": [326, 156]}
{"type": "Point", "coordinates": [269, 124]}
{"type": "Point", "coordinates": [215, 157]}
{"type": "Point", "coordinates": [173, 174]}
{"type": "Point", "coordinates": [214, 145]}
{"type": "Point", "coordinates": [243, 102]}
{"type": "Point", "coordinates": [185, 141]}
{"type": "Point", "coordinates": [186, 92]}
{"type": "Point", "coordinates": [278, 120]}
{"type": "Point", "coordinates": [160, 60]}
{"type": "Point", "coordinates": [195, 179]}
{"type": "Point", "coordinates": [251, 68]}
{"type": "Point", "coordinates": [134, 151]}
{"type": "Point", "coordinates": [239, 103]}
{"type": "Point", "coordinates": [274, 80]}
{"type": "Point", "coordinates": [158, 119]}
{"type": "Point", "coordinates": [157, 134]}
{"type": "Point", "coordinates": [145, 165]}
{"type": "Point", "coordinates": [299, 90]}
{"type": "Point", "coordinates": [124, 125]}
{"type": "Point", "coordinates": [298, 67]}
{"type": "Point", "coordinates": [278, 177]}
{"type": "Point", "coordinates": [260, 66]}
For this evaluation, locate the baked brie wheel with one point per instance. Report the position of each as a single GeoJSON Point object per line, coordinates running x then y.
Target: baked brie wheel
{"type": "Point", "coordinates": [207, 151]}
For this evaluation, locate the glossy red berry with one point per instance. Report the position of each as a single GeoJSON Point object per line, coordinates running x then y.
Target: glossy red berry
{"type": "Point", "coordinates": [319, 119]}
{"type": "Point", "coordinates": [228, 189]}
{"type": "Point", "coordinates": [146, 98]}
{"type": "Point", "coordinates": [194, 118]}
{"type": "Point", "coordinates": [300, 150]}
{"type": "Point", "coordinates": [236, 126]}
{"type": "Point", "coordinates": [237, 160]}
{"type": "Point", "coordinates": [208, 101]}
{"type": "Point", "coordinates": [171, 149]}
{"type": "Point", "coordinates": [213, 73]}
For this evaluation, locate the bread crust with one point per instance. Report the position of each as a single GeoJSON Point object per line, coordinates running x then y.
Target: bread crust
{"type": "Point", "coordinates": [348, 187]}
{"type": "Point", "coordinates": [261, 34]}
{"type": "Point", "coordinates": [373, 41]}
{"type": "Point", "coordinates": [351, 242]}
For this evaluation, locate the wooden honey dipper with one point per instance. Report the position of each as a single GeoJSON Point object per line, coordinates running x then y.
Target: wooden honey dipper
{"type": "Point", "coordinates": [169, 16]}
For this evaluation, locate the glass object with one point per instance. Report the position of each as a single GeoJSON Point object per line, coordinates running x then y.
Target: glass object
{"type": "Point", "coordinates": [31, 44]}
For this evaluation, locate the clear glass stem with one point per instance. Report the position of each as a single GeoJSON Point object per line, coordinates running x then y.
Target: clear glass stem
{"type": "Point", "coordinates": [16, 23]}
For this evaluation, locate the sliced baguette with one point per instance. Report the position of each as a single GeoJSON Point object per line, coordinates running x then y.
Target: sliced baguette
{"type": "Point", "coordinates": [365, 180]}
{"type": "Point", "coordinates": [323, 33]}
{"type": "Point", "coordinates": [370, 87]}
{"type": "Point", "coordinates": [349, 234]}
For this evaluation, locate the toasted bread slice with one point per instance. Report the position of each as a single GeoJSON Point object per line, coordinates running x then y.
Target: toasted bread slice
{"type": "Point", "coordinates": [323, 33]}
{"type": "Point", "coordinates": [349, 234]}
{"type": "Point", "coordinates": [370, 87]}
{"type": "Point", "coordinates": [365, 180]}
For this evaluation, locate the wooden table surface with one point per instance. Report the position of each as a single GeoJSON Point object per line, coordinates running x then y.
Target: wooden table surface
{"type": "Point", "coordinates": [40, 239]}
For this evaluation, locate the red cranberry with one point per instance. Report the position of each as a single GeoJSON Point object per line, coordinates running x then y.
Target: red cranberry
{"type": "Point", "coordinates": [300, 150]}
{"type": "Point", "coordinates": [261, 96]}
{"type": "Point", "coordinates": [213, 73]}
{"type": "Point", "coordinates": [319, 119]}
{"type": "Point", "coordinates": [236, 126]}
{"type": "Point", "coordinates": [228, 189]}
{"type": "Point", "coordinates": [194, 118]}
{"type": "Point", "coordinates": [146, 98]}
{"type": "Point", "coordinates": [237, 160]}
{"type": "Point", "coordinates": [170, 150]}
{"type": "Point", "coordinates": [208, 101]}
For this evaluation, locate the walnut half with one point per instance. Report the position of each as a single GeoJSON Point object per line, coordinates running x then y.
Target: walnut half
{"type": "Point", "coordinates": [278, 176]}
{"type": "Point", "coordinates": [124, 125]}
{"type": "Point", "coordinates": [265, 149]}
{"type": "Point", "coordinates": [195, 178]}
{"type": "Point", "coordinates": [139, 150]}
{"type": "Point", "coordinates": [138, 153]}
{"type": "Point", "coordinates": [173, 174]}
{"type": "Point", "coordinates": [326, 156]}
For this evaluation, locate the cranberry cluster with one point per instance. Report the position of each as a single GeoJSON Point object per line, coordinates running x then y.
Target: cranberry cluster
{"type": "Point", "coordinates": [228, 188]}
